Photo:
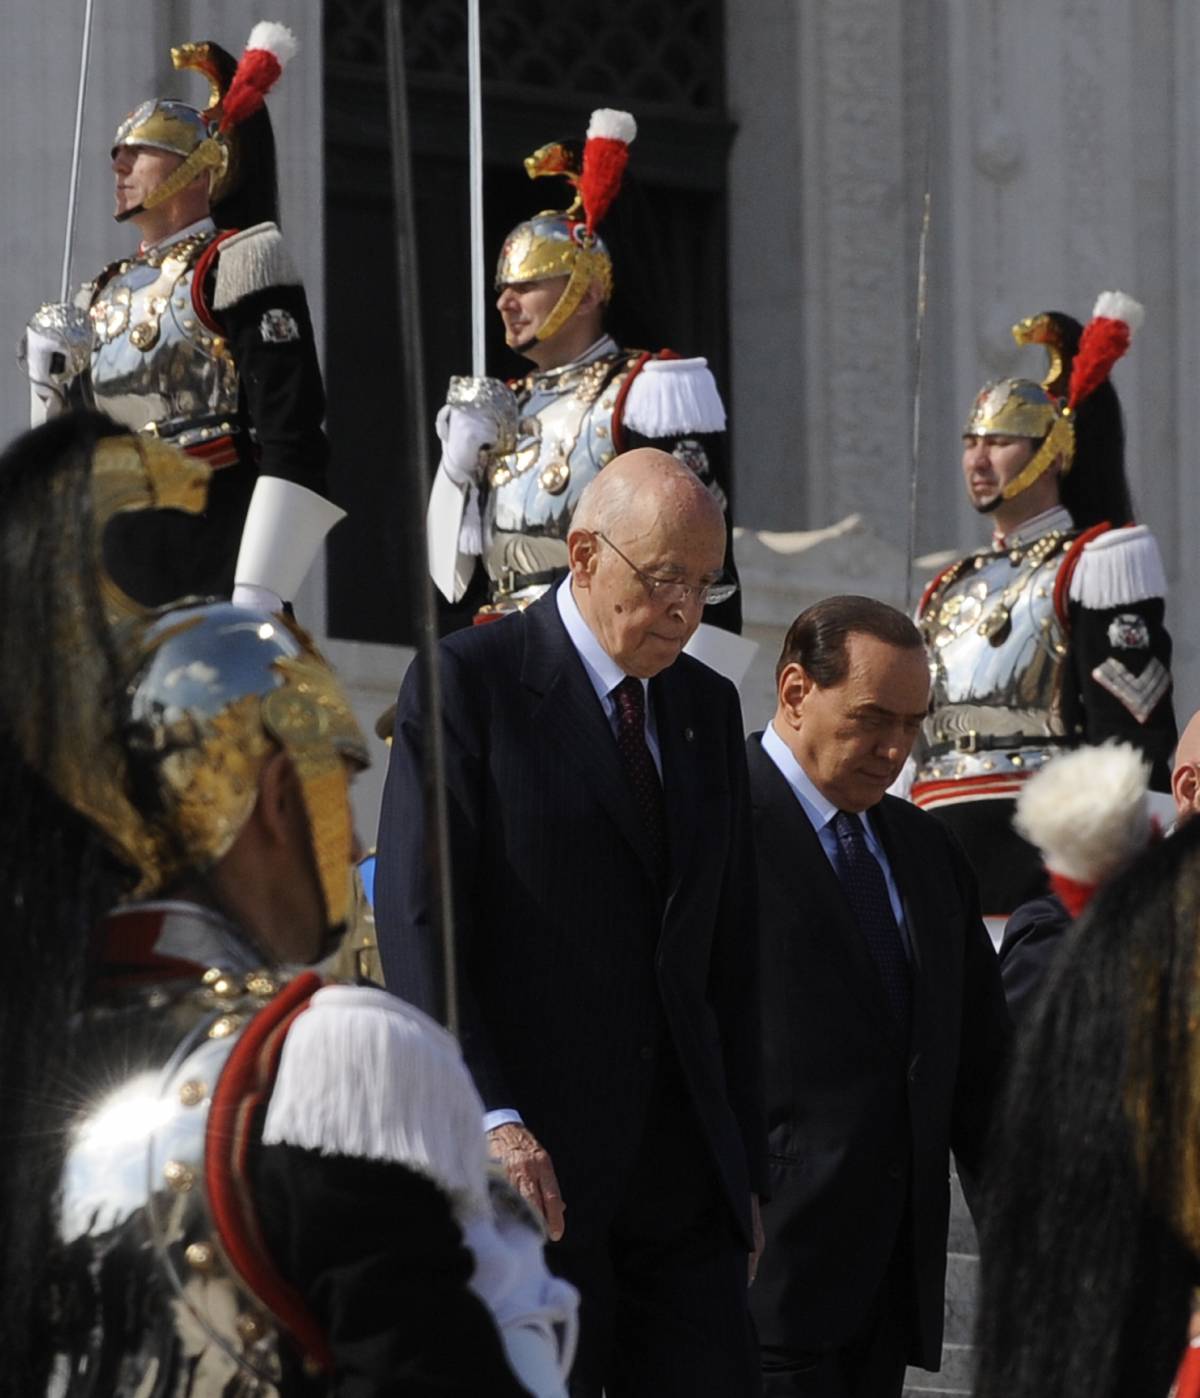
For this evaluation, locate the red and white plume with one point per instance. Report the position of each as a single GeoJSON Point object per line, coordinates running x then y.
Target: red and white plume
{"type": "Point", "coordinates": [1104, 340]}
{"type": "Point", "coordinates": [269, 49]}
{"type": "Point", "coordinates": [605, 155]}
{"type": "Point", "coordinates": [1088, 815]}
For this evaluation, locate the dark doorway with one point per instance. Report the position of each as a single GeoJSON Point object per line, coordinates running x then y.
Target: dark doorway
{"type": "Point", "coordinates": [546, 66]}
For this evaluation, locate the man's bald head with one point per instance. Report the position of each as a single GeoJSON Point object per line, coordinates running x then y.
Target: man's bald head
{"type": "Point", "coordinates": [646, 541]}
{"type": "Point", "coordinates": [1185, 777]}
{"type": "Point", "coordinates": [639, 484]}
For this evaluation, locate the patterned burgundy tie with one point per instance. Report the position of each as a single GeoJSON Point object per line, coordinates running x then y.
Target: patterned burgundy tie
{"type": "Point", "coordinates": [630, 697]}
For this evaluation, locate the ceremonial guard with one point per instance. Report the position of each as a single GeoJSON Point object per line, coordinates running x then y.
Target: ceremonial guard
{"type": "Point", "coordinates": [225, 1176]}
{"type": "Point", "coordinates": [202, 337]}
{"type": "Point", "coordinates": [516, 456]}
{"type": "Point", "coordinates": [1053, 634]}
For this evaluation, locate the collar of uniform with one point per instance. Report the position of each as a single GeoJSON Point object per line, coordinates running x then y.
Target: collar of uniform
{"type": "Point", "coordinates": [1056, 517]}
{"type": "Point", "coordinates": [819, 809]}
{"type": "Point", "coordinates": [604, 346]}
{"type": "Point", "coordinates": [202, 225]}
{"type": "Point", "coordinates": [602, 670]}
{"type": "Point", "coordinates": [168, 939]}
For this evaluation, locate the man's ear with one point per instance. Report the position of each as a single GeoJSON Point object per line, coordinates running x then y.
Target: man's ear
{"type": "Point", "coordinates": [1185, 787]}
{"type": "Point", "coordinates": [593, 297]}
{"type": "Point", "coordinates": [278, 792]}
{"type": "Point", "coordinates": [581, 556]}
{"type": "Point", "coordinates": [795, 685]}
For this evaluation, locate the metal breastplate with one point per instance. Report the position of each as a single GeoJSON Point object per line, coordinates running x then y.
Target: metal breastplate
{"type": "Point", "coordinates": [156, 367]}
{"type": "Point", "coordinates": [148, 1306]}
{"type": "Point", "coordinates": [565, 441]}
{"type": "Point", "coordinates": [997, 653]}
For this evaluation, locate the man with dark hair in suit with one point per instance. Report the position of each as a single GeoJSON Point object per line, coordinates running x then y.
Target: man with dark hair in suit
{"type": "Point", "coordinates": [604, 879]}
{"type": "Point", "coordinates": [883, 1019]}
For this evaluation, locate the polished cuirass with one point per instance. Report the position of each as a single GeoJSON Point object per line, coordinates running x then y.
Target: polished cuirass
{"type": "Point", "coordinates": [997, 656]}
{"type": "Point", "coordinates": [155, 366]}
{"type": "Point", "coordinates": [147, 1305]}
{"type": "Point", "coordinates": [565, 438]}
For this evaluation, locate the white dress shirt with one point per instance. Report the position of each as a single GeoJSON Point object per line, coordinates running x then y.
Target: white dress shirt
{"type": "Point", "coordinates": [605, 674]}
{"type": "Point", "coordinates": [821, 811]}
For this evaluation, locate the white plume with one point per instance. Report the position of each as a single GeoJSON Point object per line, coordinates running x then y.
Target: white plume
{"type": "Point", "coordinates": [1115, 305]}
{"type": "Point", "coordinates": [1087, 811]}
{"type": "Point", "coordinates": [277, 39]}
{"type": "Point", "coordinates": [617, 126]}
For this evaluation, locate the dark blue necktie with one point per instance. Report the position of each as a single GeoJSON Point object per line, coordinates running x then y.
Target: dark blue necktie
{"type": "Point", "coordinates": [866, 891]}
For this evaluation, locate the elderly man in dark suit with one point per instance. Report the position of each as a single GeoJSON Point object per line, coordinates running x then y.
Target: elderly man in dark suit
{"type": "Point", "coordinates": [884, 1021]}
{"type": "Point", "coordinates": [605, 895]}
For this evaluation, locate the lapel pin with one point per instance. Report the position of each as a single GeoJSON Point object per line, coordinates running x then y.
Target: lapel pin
{"type": "Point", "coordinates": [689, 734]}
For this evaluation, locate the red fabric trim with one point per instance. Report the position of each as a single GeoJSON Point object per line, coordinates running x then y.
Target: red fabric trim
{"type": "Point", "coordinates": [244, 1084]}
{"type": "Point", "coordinates": [933, 586]}
{"type": "Point", "coordinates": [221, 451]}
{"type": "Point", "coordinates": [618, 424]}
{"type": "Point", "coordinates": [203, 265]}
{"type": "Point", "coordinates": [1187, 1379]}
{"type": "Point", "coordinates": [127, 954]}
{"type": "Point", "coordinates": [1075, 896]}
{"type": "Point", "coordinates": [1067, 569]}
{"type": "Point", "coordinates": [931, 792]}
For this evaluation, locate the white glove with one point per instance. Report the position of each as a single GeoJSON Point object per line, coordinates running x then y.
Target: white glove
{"type": "Point", "coordinates": [55, 347]}
{"type": "Point", "coordinates": [464, 433]}
{"type": "Point", "coordinates": [536, 1313]}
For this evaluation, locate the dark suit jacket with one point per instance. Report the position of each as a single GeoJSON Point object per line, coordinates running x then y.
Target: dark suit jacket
{"type": "Point", "coordinates": [1032, 937]}
{"type": "Point", "coordinates": [576, 971]}
{"type": "Point", "coordinates": [860, 1125]}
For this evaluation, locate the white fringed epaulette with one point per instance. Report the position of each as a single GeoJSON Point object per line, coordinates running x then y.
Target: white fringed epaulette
{"type": "Point", "coordinates": [250, 261]}
{"type": "Point", "coordinates": [668, 396]}
{"type": "Point", "coordinates": [1117, 568]}
{"type": "Point", "coordinates": [365, 1075]}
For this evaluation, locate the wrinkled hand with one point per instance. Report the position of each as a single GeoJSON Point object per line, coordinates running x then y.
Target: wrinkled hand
{"type": "Point", "coordinates": [465, 433]}
{"type": "Point", "coordinates": [759, 1238]}
{"type": "Point", "coordinates": [530, 1171]}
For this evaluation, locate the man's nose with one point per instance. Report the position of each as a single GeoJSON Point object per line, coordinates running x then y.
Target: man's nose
{"type": "Point", "coordinates": [506, 298]}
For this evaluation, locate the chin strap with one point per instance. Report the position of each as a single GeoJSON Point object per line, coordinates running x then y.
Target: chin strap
{"type": "Point", "coordinates": [1059, 444]}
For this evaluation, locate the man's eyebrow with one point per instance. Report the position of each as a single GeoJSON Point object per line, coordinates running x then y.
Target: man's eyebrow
{"type": "Point", "coordinates": [883, 711]}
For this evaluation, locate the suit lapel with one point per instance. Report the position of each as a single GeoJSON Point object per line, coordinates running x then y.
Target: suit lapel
{"type": "Point", "coordinates": [679, 742]}
{"type": "Point", "coordinates": [905, 860]}
{"type": "Point", "coordinates": [787, 839]}
{"type": "Point", "coordinates": [574, 719]}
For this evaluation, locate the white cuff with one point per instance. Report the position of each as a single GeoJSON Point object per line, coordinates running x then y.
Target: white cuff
{"type": "Point", "coordinates": [502, 1116]}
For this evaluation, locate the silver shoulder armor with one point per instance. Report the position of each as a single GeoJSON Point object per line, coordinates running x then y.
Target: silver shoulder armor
{"type": "Point", "coordinates": [144, 1293]}
{"type": "Point", "coordinates": [997, 654]}
{"type": "Point", "coordinates": [155, 366]}
{"type": "Point", "coordinates": [565, 438]}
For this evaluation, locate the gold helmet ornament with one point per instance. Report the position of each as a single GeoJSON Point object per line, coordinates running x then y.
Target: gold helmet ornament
{"type": "Point", "coordinates": [1023, 408]}
{"type": "Point", "coordinates": [207, 139]}
{"type": "Point", "coordinates": [556, 244]}
{"type": "Point", "coordinates": [217, 690]}
{"type": "Point", "coordinates": [59, 704]}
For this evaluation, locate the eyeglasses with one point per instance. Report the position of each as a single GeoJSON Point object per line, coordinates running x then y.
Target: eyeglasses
{"type": "Point", "coordinates": [668, 590]}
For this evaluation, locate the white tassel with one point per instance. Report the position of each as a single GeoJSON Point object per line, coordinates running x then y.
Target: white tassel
{"type": "Point", "coordinates": [1120, 567]}
{"type": "Point", "coordinates": [1116, 305]}
{"type": "Point", "coordinates": [366, 1075]}
{"type": "Point", "coordinates": [277, 39]}
{"type": "Point", "coordinates": [612, 124]}
{"type": "Point", "coordinates": [250, 261]}
{"type": "Point", "coordinates": [1087, 811]}
{"type": "Point", "coordinates": [669, 396]}
{"type": "Point", "coordinates": [470, 531]}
